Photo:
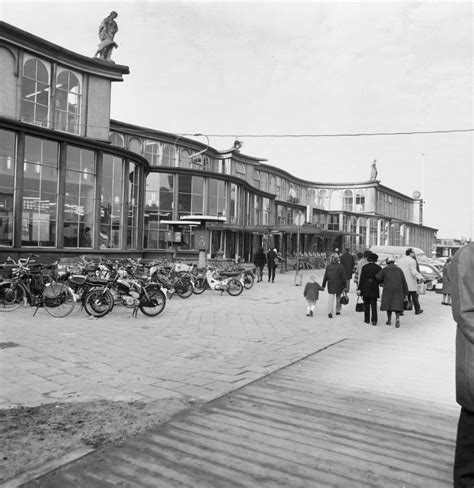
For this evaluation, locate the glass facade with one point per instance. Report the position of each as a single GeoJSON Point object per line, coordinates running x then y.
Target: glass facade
{"type": "Point", "coordinates": [67, 104]}
{"type": "Point", "coordinates": [111, 203]}
{"type": "Point", "coordinates": [190, 195]}
{"type": "Point", "coordinates": [79, 199]}
{"type": "Point", "coordinates": [35, 91]}
{"type": "Point", "coordinates": [216, 198]}
{"type": "Point", "coordinates": [7, 184]}
{"type": "Point", "coordinates": [132, 204]}
{"type": "Point", "coordinates": [40, 192]}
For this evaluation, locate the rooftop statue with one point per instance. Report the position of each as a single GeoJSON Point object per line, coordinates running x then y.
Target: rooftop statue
{"type": "Point", "coordinates": [373, 170]}
{"type": "Point", "coordinates": [107, 30]}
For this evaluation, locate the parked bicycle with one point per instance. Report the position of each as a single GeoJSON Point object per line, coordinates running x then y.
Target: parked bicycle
{"type": "Point", "coordinates": [35, 285]}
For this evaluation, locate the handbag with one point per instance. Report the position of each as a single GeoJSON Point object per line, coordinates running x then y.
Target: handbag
{"type": "Point", "coordinates": [421, 288]}
{"type": "Point", "coordinates": [344, 298]}
{"type": "Point", "coordinates": [360, 306]}
{"type": "Point", "coordinates": [407, 305]}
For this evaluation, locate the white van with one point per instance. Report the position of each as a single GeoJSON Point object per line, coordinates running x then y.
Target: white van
{"type": "Point", "coordinates": [397, 252]}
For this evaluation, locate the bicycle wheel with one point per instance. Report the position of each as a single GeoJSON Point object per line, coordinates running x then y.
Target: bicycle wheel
{"type": "Point", "coordinates": [199, 286]}
{"type": "Point", "coordinates": [156, 301]}
{"type": "Point", "coordinates": [58, 300]}
{"type": "Point", "coordinates": [248, 281]}
{"type": "Point", "coordinates": [11, 296]}
{"type": "Point", "coordinates": [234, 287]}
{"type": "Point", "coordinates": [99, 302]}
{"type": "Point", "coordinates": [184, 288]}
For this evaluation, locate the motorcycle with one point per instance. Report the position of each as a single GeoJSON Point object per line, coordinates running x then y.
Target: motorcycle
{"type": "Point", "coordinates": [131, 292]}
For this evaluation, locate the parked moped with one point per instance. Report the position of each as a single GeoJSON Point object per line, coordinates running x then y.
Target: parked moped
{"type": "Point", "coordinates": [213, 280]}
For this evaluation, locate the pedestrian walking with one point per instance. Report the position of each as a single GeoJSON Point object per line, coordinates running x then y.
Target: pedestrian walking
{"type": "Point", "coordinates": [395, 289]}
{"type": "Point", "coordinates": [446, 300]}
{"type": "Point", "coordinates": [259, 260]}
{"type": "Point", "coordinates": [461, 271]}
{"type": "Point", "coordinates": [361, 263]}
{"type": "Point", "coordinates": [408, 265]}
{"type": "Point", "coordinates": [368, 287]}
{"type": "Point", "coordinates": [335, 278]}
{"type": "Point", "coordinates": [348, 261]}
{"type": "Point", "coordinates": [272, 258]}
{"type": "Point", "coordinates": [311, 293]}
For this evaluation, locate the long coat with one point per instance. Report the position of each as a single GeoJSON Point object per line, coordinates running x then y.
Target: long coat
{"type": "Point", "coordinates": [368, 284]}
{"type": "Point", "coordinates": [272, 258]}
{"type": "Point", "coordinates": [335, 277]}
{"type": "Point", "coordinates": [461, 271]}
{"type": "Point", "coordinates": [348, 261]}
{"type": "Point", "coordinates": [311, 291]}
{"type": "Point", "coordinates": [446, 280]}
{"type": "Point", "coordinates": [408, 265]}
{"type": "Point", "coordinates": [395, 287]}
{"type": "Point", "coordinates": [260, 259]}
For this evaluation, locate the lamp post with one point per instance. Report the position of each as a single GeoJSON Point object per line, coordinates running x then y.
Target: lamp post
{"type": "Point", "coordinates": [299, 222]}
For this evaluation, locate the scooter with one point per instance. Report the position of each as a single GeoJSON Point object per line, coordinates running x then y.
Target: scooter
{"type": "Point", "coordinates": [212, 280]}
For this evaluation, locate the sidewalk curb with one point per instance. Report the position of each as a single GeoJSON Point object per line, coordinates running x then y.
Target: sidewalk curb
{"type": "Point", "coordinates": [68, 458]}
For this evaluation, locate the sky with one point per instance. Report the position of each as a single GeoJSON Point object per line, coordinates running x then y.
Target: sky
{"type": "Point", "coordinates": [301, 70]}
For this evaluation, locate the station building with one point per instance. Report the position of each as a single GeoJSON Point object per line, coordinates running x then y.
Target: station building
{"type": "Point", "coordinates": [75, 182]}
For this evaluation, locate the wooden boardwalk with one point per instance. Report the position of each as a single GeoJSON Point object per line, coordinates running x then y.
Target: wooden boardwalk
{"type": "Point", "coordinates": [357, 414]}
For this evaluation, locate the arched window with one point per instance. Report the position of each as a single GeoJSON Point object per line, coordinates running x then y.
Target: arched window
{"type": "Point", "coordinates": [152, 152]}
{"type": "Point", "coordinates": [360, 201]}
{"type": "Point", "coordinates": [323, 199]}
{"type": "Point", "coordinates": [135, 145]}
{"type": "Point", "coordinates": [67, 102]}
{"type": "Point", "coordinates": [256, 179]}
{"type": "Point", "coordinates": [184, 158]}
{"type": "Point", "coordinates": [169, 155]}
{"type": "Point", "coordinates": [348, 201]}
{"type": "Point", "coordinates": [116, 139]}
{"type": "Point", "coordinates": [35, 92]}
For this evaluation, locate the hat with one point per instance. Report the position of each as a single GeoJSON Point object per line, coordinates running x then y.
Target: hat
{"type": "Point", "coordinates": [390, 260]}
{"type": "Point", "coordinates": [372, 257]}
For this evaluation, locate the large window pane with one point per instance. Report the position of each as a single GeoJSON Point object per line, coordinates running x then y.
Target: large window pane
{"type": "Point", "coordinates": [133, 192]}
{"type": "Point", "coordinates": [158, 209]}
{"type": "Point", "coordinates": [67, 101]}
{"type": "Point", "coordinates": [7, 183]}
{"type": "Point", "coordinates": [111, 207]}
{"type": "Point", "coordinates": [79, 198]}
{"type": "Point", "coordinates": [35, 92]}
{"type": "Point", "coordinates": [40, 190]}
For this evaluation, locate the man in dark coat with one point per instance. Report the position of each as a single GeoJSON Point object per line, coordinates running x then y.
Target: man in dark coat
{"type": "Point", "coordinates": [461, 273]}
{"type": "Point", "coordinates": [395, 289]}
{"type": "Point", "coordinates": [335, 277]}
{"type": "Point", "coordinates": [348, 261]}
{"type": "Point", "coordinates": [272, 257]}
{"type": "Point", "coordinates": [259, 261]}
{"type": "Point", "coordinates": [368, 287]}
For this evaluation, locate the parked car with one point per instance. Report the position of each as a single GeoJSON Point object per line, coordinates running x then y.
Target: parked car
{"type": "Point", "coordinates": [431, 275]}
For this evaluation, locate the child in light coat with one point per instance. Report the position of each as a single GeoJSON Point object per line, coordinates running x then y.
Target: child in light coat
{"type": "Point", "coordinates": [311, 293]}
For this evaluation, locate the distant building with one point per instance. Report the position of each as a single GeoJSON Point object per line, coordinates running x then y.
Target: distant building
{"type": "Point", "coordinates": [66, 167]}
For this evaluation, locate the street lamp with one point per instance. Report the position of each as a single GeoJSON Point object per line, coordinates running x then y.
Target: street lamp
{"type": "Point", "coordinates": [299, 222]}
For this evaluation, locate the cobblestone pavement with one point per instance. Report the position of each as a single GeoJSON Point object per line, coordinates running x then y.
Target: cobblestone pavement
{"type": "Point", "coordinates": [198, 348]}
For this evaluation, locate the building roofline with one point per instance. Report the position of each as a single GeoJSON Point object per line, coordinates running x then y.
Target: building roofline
{"type": "Point", "coordinates": [34, 44]}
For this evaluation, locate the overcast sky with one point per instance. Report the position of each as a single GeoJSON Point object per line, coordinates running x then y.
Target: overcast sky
{"type": "Point", "coordinates": [251, 68]}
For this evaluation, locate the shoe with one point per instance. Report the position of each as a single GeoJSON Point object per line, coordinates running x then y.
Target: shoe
{"type": "Point", "coordinates": [308, 315]}
{"type": "Point", "coordinates": [366, 322]}
{"type": "Point", "coordinates": [374, 323]}
{"type": "Point", "coordinates": [330, 315]}
{"type": "Point", "coordinates": [311, 313]}
{"type": "Point", "coordinates": [388, 322]}
{"type": "Point", "coordinates": [397, 323]}
{"type": "Point", "coordinates": [419, 311]}
{"type": "Point", "coordinates": [338, 313]}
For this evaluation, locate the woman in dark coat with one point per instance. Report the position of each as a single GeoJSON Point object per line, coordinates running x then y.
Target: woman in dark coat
{"type": "Point", "coordinates": [395, 289]}
{"type": "Point", "coordinates": [446, 284]}
{"type": "Point", "coordinates": [260, 260]}
{"type": "Point", "coordinates": [368, 287]}
{"type": "Point", "coordinates": [335, 277]}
